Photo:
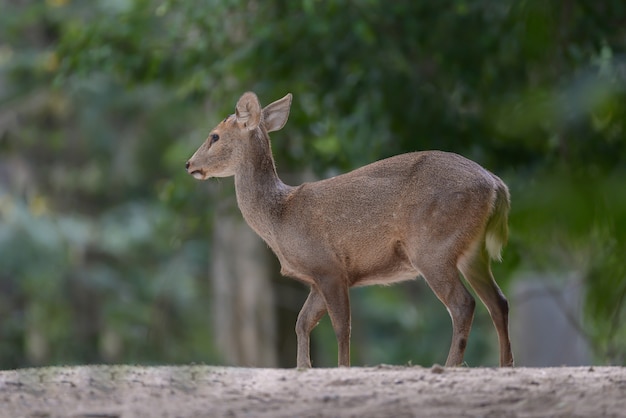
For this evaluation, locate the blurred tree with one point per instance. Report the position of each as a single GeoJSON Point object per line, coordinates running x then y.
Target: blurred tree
{"type": "Point", "coordinates": [101, 103]}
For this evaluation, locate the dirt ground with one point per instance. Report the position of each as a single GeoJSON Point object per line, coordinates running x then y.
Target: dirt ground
{"type": "Point", "coordinates": [383, 391]}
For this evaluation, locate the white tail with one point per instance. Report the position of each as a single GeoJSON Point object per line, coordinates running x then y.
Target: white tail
{"type": "Point", "coordinates": [497, 232]}
{"type": "Point", "coordinates": [425, 213]}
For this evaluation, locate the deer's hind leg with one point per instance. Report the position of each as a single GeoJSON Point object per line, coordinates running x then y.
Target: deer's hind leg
{"type": "Point", "coordinates": [477, 271]}
{"type": "Point", "coordinates": [446, 283]}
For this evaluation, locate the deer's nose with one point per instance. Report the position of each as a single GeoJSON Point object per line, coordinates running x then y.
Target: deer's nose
{"type": "Point", "coordinates": [187, 165]}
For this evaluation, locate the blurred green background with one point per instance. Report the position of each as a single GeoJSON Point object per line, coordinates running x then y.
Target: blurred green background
{"type": "Point", "coordinates": [107, 245]}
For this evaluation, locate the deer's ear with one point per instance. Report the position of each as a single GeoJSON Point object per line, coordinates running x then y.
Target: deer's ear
{"type": "Point", "coordinates": [248, 111]}
{"type": "Point", "coordinates": [275, 114]}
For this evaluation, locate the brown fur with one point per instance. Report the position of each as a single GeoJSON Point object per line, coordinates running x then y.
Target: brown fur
{"type": "Point", "coordinates": [425, 213]}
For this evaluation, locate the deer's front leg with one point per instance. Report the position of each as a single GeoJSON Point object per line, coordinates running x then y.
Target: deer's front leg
{"type": "Point", "coordinates": [337, 297]}
{"type": "Point", "coordinates": [312, 311]}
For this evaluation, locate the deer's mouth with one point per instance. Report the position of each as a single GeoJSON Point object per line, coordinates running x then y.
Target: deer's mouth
{"type": "Point", "coordinates": [199, 175]}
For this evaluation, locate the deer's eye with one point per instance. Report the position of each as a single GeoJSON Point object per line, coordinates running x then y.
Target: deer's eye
{"type": "Point", "coordinates": [214, 138]}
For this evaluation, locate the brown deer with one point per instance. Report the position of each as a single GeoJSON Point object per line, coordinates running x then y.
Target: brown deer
{"type": "Point", "coordinates": [429, 214]}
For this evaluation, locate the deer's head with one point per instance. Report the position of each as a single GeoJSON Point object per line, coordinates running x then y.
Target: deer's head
{"type": "Point", "coordinates": [223, 151]}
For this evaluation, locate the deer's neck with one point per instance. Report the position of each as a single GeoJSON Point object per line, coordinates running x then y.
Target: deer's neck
{"type": "Point", "coordinates": [260, 192]}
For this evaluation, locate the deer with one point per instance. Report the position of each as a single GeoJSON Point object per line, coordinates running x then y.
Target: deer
{"type": "Point", "coordinates": [428, 213]}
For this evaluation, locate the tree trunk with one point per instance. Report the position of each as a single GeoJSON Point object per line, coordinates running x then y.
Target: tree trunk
{"type": "Point", "coordinates": [546, 327]}
{"type": "Point", "coordinates": [244, 320]}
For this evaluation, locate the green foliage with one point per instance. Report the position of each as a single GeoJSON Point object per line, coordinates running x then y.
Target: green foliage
{"type": "Point", "coordinates": [103, 250]}
{"type": "Point", "coordinates": [102, 101]}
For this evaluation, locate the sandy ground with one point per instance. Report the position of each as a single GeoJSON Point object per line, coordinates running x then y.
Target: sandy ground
{"type": "Point", "coordinates": [383, 391]}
